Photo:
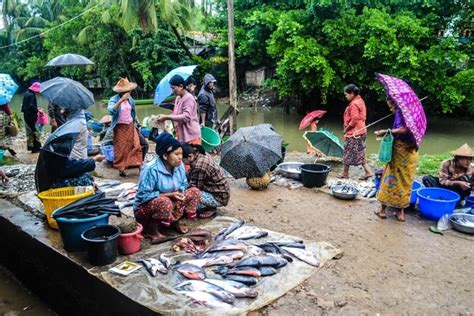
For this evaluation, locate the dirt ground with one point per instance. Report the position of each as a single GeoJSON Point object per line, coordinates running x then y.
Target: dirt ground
{"type": "Point", "coordinates": [388, 267]}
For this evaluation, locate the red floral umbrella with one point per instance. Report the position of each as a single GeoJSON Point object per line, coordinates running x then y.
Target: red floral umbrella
{"type": "Point", "coordinates": [306, 121]}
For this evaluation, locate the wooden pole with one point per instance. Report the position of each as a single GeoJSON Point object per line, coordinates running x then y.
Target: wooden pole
{"type": "Point", "coordinates": [232, 73]}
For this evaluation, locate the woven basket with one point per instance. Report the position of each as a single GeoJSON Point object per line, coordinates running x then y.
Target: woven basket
{"type": "Point", "coordinates": [259, 183]}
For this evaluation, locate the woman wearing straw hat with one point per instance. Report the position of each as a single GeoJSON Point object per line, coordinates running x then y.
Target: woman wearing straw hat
{"type": "Point", "coordinates": [29, 108]}
{"type": "Point", "coordinates": [455, 174]}
{"type": "Point", "coordinates": [127, 150]}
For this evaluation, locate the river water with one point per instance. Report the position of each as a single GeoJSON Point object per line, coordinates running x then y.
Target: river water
{"type": "Point", "coordinates": [442, 135]}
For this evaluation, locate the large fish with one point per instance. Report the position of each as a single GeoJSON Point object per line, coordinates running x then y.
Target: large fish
{"type": "Point", "coordinates": [274, 249]}
{"type": "Point", "coordinates": [250, 271]}
{"type": "Point", "coordinates": [206, 299]}
{"type": "Point", "coordinates": [226, 231]}
{"type": "Point", "coordinates": [236, 288]}
{"type": "Point", "coordinates": [165, 260]}
{"type": "Point", "coordinates": [153, 266]}
{"type": "Point", "coordinates": [288, 243]}
{"type": "Point", "coordinates": [191, 271]}
{"type": "Point", "coordinates": [227, 244]}
{"type": "Point", "coordinates": [247, 232]}
{"type": "Point", "coordinates": [196, 286]}
{"type": "Point", "coordinates": [213, 261]}
{"type": "Point", "coordinates": [267, 271]}
{"type": "Point", "coordinates": [234, 254]}
{"type": "Point", "coordinates": [259, 261]}
{"type": "Point", "coordinates": [304, 255]}
{"type": "Point", "coordinates": [245, 279]}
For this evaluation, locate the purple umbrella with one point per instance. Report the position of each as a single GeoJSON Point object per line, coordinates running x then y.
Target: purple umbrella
{"type": "Point", "coordinates": [408, 103]}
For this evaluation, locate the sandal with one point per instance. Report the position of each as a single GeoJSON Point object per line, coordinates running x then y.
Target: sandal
{"type": "Point", "coordinates": [122, 174]}
{"type": "Point", "coordinates": [207, 213]}
{"type": "Point", "coordinates": [181, 228]}
{"type": "Point", "coordinates": [380, 214]}
{"type": "Point", "coordinates": [366, 177]}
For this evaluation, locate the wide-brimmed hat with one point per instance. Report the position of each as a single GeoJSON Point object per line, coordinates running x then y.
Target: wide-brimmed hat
{"type": "Point", "coordinates": [464, 151]}
{"type": "Point", "coordinates": [35, 87]}
{"type": "Point", "coordinates": [123, 85]}
{"type": "Point", "coordinates": [106, 119]}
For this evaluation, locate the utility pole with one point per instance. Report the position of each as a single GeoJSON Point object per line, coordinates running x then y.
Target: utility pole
{"type": "Point", "coordinates": [232, 74]}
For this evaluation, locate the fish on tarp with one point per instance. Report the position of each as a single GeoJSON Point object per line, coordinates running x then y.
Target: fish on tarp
{"type": "Point", "coordinates": [258, 261]}
{"type": "Point", "coordinates": [236, 288]}
{"type": "Point", "coordinates": [165, 260]}
{"type": "Point", "coordinates": [213, 261]}
{"type": "Point", "coordinates": [304, 255]}
{"type": "Point", "coordinates": [247, 232]}
{"type": "Point", "coordinates": [250, 271]}
{"type": "Point", "coordinates": [234, 254]}
{"type": "Point", "coordinates": [153, 266]}
{"type": "Point", "coordinates": [226, 231]}
{"type": "Point", "coordinates": [245, 279]}
{"type": "Point", "coordinates": [271, 248]}
{"type": "Point", "coordinates": [267, 271]}
{"type": "Point", "coordinates": [288, 243]}
{"type": "Point", "coordinates": [191, 271]}
{"type": "Point", "coordinates": [227, 244]}
{"type": "Point", "coordinates": [201, 286]}
{"type": "Point", "coordinates": [206, 299]}
{"type": "Point", "coordinates": [255, 250]}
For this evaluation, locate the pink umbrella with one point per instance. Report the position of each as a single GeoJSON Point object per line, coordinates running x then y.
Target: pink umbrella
{"type": "Point", "coordinates": [306, 121]}
{"type": "Point", "coordinates": [409, 104]}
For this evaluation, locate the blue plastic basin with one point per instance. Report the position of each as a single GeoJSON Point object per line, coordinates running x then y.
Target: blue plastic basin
{"type": "Point", "coordinates": [435, 202]}
{"type": "Point", "coordinates": [72, 228]}
{"type": "Point", "coordinates": [469, 201]}
{"type": "Point", "coordinates": [414, 188]}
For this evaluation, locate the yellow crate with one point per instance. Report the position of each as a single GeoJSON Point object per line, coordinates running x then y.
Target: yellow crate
{"type": "Point", "coordinates": [56, 198]}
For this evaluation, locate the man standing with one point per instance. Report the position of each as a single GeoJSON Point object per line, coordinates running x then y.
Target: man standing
{"type": "Point", "coordinates": [30, 114]}
{"type": "Point", "coordinates": [207, 102]}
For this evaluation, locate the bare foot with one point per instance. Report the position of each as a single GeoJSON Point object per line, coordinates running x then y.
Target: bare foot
{"type": "Point", "coordinates": [400, 215]}
{"type": "Point", "coordinates": [181, 228]}
{"type": "Point", "coordinates": [381, 214]}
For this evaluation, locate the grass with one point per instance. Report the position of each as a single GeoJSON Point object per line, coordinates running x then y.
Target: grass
{"type": "Point", "coordinates": [429, 164]}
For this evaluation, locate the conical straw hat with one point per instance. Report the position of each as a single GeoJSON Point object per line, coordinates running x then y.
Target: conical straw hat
{"type": "Point", "coordinates": [464, 151]}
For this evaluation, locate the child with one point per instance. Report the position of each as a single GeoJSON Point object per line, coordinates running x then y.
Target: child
{"type": "Point", "coordinates": [312, 127]}
{"type": "Point", "coordinates": [42, 120]}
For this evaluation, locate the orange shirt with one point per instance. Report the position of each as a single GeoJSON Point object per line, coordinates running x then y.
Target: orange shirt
{"type": "Point", "coordinates": [354, 117]}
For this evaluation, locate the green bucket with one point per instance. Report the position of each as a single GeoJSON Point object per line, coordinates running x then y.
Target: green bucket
{"type": "Point", "coordinates": [210, 138]}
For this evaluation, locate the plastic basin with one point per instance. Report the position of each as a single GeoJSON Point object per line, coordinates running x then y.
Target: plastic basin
{"type": "Point", "coordinates": [314, 175]}
{"type": "Point", "coordinates": [101, 242]}
{"type": "Point", "coordinates": [145, 132]}
{"type": "Point", "coordinates": [414, 188]}
{"type": "Point", "coordinates": [469, 201]}
{"type": "Point", "coordinates": [435, 202]}
{"type": "Point", "coordinates": [210, 139]}
{"type": "Point", "coordinates": [72, 228]}
{"type": "Point", "coordinates": [130, 242]}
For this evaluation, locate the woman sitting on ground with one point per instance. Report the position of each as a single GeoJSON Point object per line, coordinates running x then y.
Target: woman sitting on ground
{"type": "Point", "coordinates": [55, 167]}
{"type": "Point", "coordinates": [163, 196]}
{"type": "Point", "coordinates": [206, 175]}
{"type": "Point", "coordinates": [455, 174]}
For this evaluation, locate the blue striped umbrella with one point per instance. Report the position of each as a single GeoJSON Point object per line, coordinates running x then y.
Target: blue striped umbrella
{"type": "Point", "coordinates": [8, 88]}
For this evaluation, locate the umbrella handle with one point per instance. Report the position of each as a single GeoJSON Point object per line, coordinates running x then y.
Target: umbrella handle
{"type": "Point", "coordinates": [373, 123]}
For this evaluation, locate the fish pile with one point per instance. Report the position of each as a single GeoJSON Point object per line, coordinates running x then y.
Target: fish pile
{"type": "Point", "coordinates": [365, 189]}
{"type": "Point", "coordinates": [466, 221]}
{"type": "Point", "coordinates": [153, 265]}
{"type": "Point", "coordinates": [21, 179]}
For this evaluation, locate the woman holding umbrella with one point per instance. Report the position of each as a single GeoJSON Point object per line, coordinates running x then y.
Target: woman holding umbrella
{"type": "Point", "coordinates": [127, 149]}
{"type": "Point", "coordinates": [355, 132]}
{"type": "Point", "coordinates": [163, 196]}
{"type": "Point", "coordinates": [30, 114]}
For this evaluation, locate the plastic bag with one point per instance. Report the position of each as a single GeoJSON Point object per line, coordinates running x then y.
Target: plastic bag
{"type": "Point", "coordinates": [444, 223]}
{"type": "Point", "coordinates": [386, 146]}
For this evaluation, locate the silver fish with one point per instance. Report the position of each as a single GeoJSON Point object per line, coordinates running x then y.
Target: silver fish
{"type": "Point", "coordinates": [234, 254]}
{"type": "Point", "coordinates": [212, 261]}
{"type": "Point", "coordinates": [255, 251]}
{"type": "Point", "coordinates": [226, 231]}
{"type": "Point", "coordinates": [304, 255]}
{"type": "Point", "coordinates": [236, 288]}
{"type": "Point", "coordinates": [201, 286]}
{"type": "Point", "coordinates": [165, 260]}
{"type": "Point", "coordinates": [247, 232]}
{"type": "Point", "coordinates": [206, 299]}
{"type": "Point", "coordinates": [153, 266]}
{"type": "Point", "coordinates": [227, 244]}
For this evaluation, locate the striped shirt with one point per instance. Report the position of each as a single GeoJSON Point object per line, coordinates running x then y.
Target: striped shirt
{"type": "Point", "coordinates": [156, 179]}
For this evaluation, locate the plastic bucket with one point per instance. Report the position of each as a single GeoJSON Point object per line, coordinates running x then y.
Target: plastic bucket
{"type": "Point", "coordinates": [314, 175]}
{"type": "Point", "coordinates": [469, 201]}
{"type": "Point", "coordinates": [101, 242]}
{"type": "Point", "coordinates": [108, 152]}
{"type": "Point", "coordinates": [414, 188]}
{"type": "Point", "coordinates": [210, 139]}
{"type": "Point", "coordinates": [131, 242]}
{"type": "Point", "coordinates": [145, 132]}
{"type": "Point", "coordinates": [72, 228]}
{"type": "Point", "coordinates": [435, 202]}
{"type": "Point", "coordinates": [2, 154]}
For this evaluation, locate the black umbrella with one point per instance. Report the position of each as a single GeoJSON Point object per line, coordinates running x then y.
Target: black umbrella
{"type": "Point", "coordinates": [67, 93]}
{"type": "Point", "coordinates": [69, 60]}
{"type": "Point", "coordinates": [251, 151]}
{"type": "Point", "coordinates": [89, 206]}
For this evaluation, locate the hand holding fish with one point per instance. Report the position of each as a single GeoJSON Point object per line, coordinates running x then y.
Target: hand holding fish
{"type": "Point", "coordinates": [178, 196]}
